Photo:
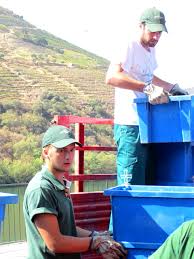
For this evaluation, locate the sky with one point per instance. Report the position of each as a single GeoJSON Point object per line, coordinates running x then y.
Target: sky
{"type": "Point", "coordinates": [102, 26]}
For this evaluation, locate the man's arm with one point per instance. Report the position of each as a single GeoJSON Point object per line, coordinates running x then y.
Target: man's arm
{"type": "Point", "coordinates": [173, 89]}
{"type": "Point", "coordinates": [157, 81]}
{"type": "Point", "coordinates": [83, 232]}
{"type": "Point", "coordinates": [48, 228]}
{"type": "Point", "coordinates": [117, 78]}
{"type": "Point", "coordinates": [88, 233]}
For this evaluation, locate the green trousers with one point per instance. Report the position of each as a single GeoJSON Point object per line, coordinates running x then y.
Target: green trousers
{"type": "Point", "coordinates": [179, 245]}
{"type": "Point", "coordinates": [134, 160]}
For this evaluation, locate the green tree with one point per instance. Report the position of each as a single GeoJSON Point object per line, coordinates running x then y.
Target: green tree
{"type": "Point", "coordinates": [10, 119]}
{"type": "Point", "coordinates": [100, 162]}
{"type": "Point", "coordinates": [5, 176]}
{"type": "Point", "coordinates": [29, 145]}
{"type": "Point", "coordinates": [23, 170]}
{"type": "Point", "coordinates": [34, 123]}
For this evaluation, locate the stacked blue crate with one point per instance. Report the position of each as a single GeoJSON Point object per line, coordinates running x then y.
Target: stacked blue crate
{"type": "Point", "coordinates": [144, 216]}
{"type": "Point", "coordinates": [166, 123]}
{"type": "Point", "coordinates": [171, 128]}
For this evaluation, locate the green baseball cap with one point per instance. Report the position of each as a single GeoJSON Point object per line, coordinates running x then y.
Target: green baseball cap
{"type": "Point", "coordinates": [154, 20]}
{"type": "Point", "coordinates": [59, 137]}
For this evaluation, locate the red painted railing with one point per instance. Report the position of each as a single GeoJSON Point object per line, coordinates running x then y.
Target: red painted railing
{"type": "Point", "coordinates": [80, 123]}
{"type": "Point", "coordinates": [92, 209]}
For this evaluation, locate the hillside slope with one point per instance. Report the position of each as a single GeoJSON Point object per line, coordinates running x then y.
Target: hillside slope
{"type": "Point", "coordinates": [33, 62]}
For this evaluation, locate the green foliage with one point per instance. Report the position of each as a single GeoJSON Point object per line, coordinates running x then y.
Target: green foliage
{"type": "Point", "coordinates": [7, 140]}
{"type": "Point", "coordinates": [5, 176]}
{"type": "Point", "coordinates": [100, 162]}
{"type": "Point", "coordinates": [21, 129]}
{"type": "Point", "coordinates": [4, 28]}
{"type": "Point", "coordinates": [19, 171]}
{"type": "Point", "coordinates": [51, 104]}
{"type": "Point", "coordinates": [2, 109]}
{"type": "Point", "coordinates": [47, 77]}
{"type": "Point", "coordinates": [20, 157]}
{"type": "Point", "coordinates": [2, 55]}
{"type": "Point", "coordinates": [42, 42]}
{"type": "Point", "coordinates": [10, 120]}
{"type": "Point", "coordinates": [28, 145]}
{"type": "Point", "coordinates": [104, 136]}
{"type": "Point", "coordinates": [23, 170]}
{"type": "Point", "coordinates": [34, 123]}
{"type": "Point", "coordinates": [71, 53]}
{"type": "Point", "coordinates": [14, 106]}
{"type": "Point", "coordinates": [98, 109]}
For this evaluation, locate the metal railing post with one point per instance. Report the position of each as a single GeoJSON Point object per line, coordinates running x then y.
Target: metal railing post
{"type": "Point", "coordinates": [79, 156]}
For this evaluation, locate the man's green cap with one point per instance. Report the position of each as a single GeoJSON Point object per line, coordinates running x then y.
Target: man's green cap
{"type": "Point", "coordinates": [154, 20]}
{"type": "Point", "coordinates": [59, 137]}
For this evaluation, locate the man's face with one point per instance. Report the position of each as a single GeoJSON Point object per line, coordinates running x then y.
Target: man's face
{"type": "Point", "coordinates": [60, 159]}
{"type": "Point", "coordinates": [148, 38]}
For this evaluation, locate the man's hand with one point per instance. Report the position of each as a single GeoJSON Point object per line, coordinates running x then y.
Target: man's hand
{"type": "Point", "coordinates": [156, 94]}
{"type": "Point", "coordinates": [108, 248]}
{"type": "Point", "coordinates": [176, 90]}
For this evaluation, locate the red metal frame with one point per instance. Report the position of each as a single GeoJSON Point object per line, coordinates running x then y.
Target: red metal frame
{"type": "Point", "coordinates": [80, 122]}
{"type": "Point", "coordinates": [92, 210]}
{"type": "Point", "coordinates": [70, 119]}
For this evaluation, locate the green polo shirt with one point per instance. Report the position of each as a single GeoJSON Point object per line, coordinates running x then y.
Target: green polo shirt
{"type": "Point", "coordinates": [45, 194]}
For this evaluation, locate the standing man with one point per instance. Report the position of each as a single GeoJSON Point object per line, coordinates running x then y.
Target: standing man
{"type": "Point", "coordinates": [48, 213]}
{"type": "Point", "coordinates": [132, 75]}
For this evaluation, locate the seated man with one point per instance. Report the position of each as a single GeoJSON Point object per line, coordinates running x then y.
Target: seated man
{"type": "Point", "coordinates": [48, 213]}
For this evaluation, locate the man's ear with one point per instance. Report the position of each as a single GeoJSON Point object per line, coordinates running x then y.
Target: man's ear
{"type": "Point", "coordinates": [45, 152]}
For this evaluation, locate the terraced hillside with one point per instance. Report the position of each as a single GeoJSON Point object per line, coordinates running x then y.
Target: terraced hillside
{"type": "Point", "coordinates": [33, 62]}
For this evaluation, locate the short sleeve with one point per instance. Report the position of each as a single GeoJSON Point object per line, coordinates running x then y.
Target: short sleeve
{"type": "Point", "coordinates": [41, 201]}
{"type": "Point", "coordinates": [120, 53]}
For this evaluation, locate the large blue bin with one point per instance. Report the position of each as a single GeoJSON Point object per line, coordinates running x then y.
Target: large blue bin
{"type": "Point", "coordinates": [171, 122]}
{"type": "Point", "coordinates": [144, 216]}
{"type": "Point", "coordinates": [6, 198]}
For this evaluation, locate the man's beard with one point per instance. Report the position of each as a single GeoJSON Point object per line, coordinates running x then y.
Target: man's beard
{"type": "Point", "coordinates": [152, 44]}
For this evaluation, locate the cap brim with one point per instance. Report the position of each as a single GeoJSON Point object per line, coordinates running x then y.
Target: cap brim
{"type": "Point", "coordinates": [65, 142]}
{"type": "Point", "coordinates": [156, 27]}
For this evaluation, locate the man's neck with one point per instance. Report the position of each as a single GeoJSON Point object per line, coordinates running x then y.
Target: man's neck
{"type": "Point", "coordinates": [58, 175]}
{"type": "Point", "coordinates": [145, 46]}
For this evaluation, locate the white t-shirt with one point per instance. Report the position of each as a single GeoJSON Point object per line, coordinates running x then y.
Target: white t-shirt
{"type": "Point", "coordinates": [139, 64]}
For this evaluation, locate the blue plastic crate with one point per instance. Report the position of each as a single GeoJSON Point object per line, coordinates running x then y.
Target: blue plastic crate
{"type": "Point", "coordinates": [173, 163]}
{"type": "Point", "coordinates": [139, 253]}
{"type": "Point", "coordinates": [144, 216]}
{"type": "Point", "coordinates": [171, 122]}
{"type": "Point", "coordinates": [6, 198]}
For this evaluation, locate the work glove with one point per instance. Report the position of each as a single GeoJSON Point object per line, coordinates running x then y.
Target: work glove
{"type": "Point", "coordinates": [107, 248]}
{"type": "Point", "coordinates": [176, 90]}
{"type": "Point", "coordinates": [156, 94]}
